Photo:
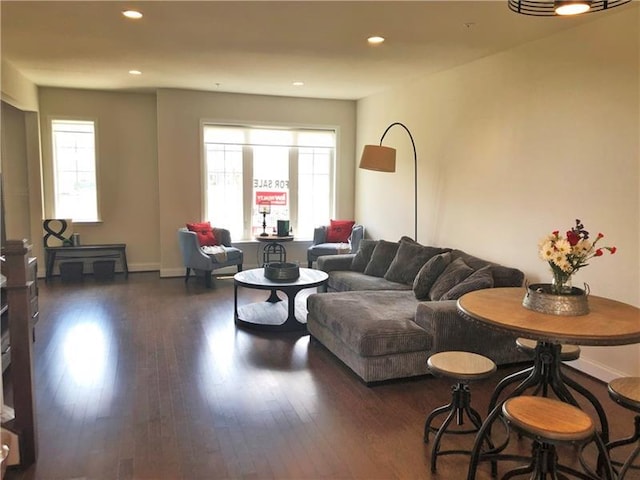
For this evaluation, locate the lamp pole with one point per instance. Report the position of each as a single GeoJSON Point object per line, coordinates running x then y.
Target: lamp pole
{"type": "Point", "coordinates": [415, 175]}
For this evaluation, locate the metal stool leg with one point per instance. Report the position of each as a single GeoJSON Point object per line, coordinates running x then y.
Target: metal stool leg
{"type": "Point", "coordinates": [460, 404]}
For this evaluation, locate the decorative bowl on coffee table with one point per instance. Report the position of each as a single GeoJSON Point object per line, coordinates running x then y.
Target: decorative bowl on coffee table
{"type": "Point", "coordinates": [281, 271]}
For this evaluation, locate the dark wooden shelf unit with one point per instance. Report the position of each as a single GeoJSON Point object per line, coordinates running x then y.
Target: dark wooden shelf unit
{"type": "Point", "coordinates": [5, 340]}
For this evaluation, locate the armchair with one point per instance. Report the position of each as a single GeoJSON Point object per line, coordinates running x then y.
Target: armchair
{"type": "Point", "coordinates": [194, 258]}
{"type": "Point", "coordinates": [320, 246]}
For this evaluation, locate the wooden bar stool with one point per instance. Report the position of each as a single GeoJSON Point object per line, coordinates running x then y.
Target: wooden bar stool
{"type": "Point", "coordinates": [550, 422]}
{"type": "Point", "coordinates": [626, 392]}
{"type": "Point", "coordinates": [462, 367]}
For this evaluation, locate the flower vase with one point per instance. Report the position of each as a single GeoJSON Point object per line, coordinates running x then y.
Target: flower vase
{"type": "Point", "coordinates": [561, 285]}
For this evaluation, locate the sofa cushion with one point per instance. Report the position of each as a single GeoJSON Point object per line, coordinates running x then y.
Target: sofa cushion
{"type": "Point", "coordinates": [233, 254]}
{"type": "Point", "coordinates": [323, 249]}
{"type": "Point", "coordinates": [455, 273]}
{"type": "Point", "coordinates": [502, 276]}
{"type": "Point", "coordinates": [382, 256]}
{"type": "Point", "coordinates": [371, 323]}
{"type": "Point", "coordinates": [409, 259]}
{"type": "Point", "coordinates": [339, 231]}
{"type": "Point", "coordinates": [343, 281]}
{"type": "Point", "coordinates": [363, 255]}
{"type": "Point", "coordinates": [476, 281]}
{"type": "Point", "coordinates": [204, 232]}
{"type": "Point", "coordinates": [428, 274]}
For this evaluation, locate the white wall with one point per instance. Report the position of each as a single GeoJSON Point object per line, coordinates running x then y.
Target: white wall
{"type": "Point", "coordinates": [126, 146]}
{"type": "Point", "coordinates": [149, 161]}
{"type": "Point", "coordinates": [17, 90]}
{"type": "Point", "coordinates": [14, 169]}
{"type": "Point", "coordinates": [20, 157]}
{"type": "Point", "coordinates": [516, 145]}
{"type": "Point", "coordinates": [180, 155]}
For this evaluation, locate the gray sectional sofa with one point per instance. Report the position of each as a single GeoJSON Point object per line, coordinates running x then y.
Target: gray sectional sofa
{"type": "Point", "coordinates": [391, 305]}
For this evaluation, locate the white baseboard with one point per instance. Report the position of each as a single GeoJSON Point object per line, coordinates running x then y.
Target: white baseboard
{"type": "Point", "coordinates": [144, 267]}
{"type": "Point", "coordinates": [172, 272]}
{"type": "Point", "coordinates": [597, 370]}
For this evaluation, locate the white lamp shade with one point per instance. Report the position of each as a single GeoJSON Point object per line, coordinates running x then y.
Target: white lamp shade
{"type": "Point", "coordinates": [378, 158]}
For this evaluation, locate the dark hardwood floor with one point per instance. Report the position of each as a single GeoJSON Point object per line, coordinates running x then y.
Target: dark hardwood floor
{"type": "Point", "coordinates": [147, 378]}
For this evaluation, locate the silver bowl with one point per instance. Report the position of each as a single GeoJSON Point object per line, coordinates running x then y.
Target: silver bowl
{"type": "Point", "coordinates": [540, 299]}
{"type": "Point", "coordinates": [281, 271]}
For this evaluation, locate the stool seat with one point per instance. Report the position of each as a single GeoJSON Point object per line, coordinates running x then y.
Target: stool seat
{"type": "Point", "coordinates": [548, 419]}
{"type": "Point", "coordinates": [461, 365]}
{"type": "Point", "coordinates": [567, 352]}
{"type": "Point", "coordinates": [626, 392]}
{"type": "Point", "coordinates": [550, 422]}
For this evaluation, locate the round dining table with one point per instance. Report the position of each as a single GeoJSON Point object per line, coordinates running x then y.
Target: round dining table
{"type": "Point", "coordinates": [608, 323]}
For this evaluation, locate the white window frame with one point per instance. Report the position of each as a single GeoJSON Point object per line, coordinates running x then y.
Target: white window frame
{"type": "Point", "coordinates": [54, 170]}
{"type": "Point", "coordinates": [248, 174]}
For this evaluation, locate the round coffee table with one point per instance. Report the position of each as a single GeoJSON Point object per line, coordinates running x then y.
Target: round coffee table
{"type": "Point", "coordinates": [275, 313]}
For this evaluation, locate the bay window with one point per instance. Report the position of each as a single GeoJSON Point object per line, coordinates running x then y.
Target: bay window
{"type": "Point", "coordinates": [285, 172]}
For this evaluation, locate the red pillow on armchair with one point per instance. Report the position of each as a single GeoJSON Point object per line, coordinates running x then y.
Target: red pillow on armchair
{"type": "Point", "coordinates": [204, 232]}
{"type": "Point", "coordinates": [339, 231]}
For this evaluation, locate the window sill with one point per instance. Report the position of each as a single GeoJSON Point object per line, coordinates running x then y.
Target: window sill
{"type": "Point", "coordinates": [86, 222]}
{"type": "Point", "coordinates": [251, 241]}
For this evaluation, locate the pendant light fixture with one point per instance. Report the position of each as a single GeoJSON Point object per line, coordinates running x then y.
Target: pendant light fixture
{"type": "Point", "coordinates": [551, 8]}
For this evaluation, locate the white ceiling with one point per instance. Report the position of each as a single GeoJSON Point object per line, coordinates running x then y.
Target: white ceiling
{"type": "Point", "coordinates": [258, 47]}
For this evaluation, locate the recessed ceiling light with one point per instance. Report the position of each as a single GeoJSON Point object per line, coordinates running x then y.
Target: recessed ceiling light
{"type": "Point", "coordinates": [298, 84]}
{"type": "Point", "coordinates": [375, 40]}
{"type": "Point", "coordinates": [135, 72]}
{"type": "Point", "coordinates": [132, 14]}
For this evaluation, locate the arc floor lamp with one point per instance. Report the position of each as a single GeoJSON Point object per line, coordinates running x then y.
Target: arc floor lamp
{"type": "Point", "coordinates": [383, 159]}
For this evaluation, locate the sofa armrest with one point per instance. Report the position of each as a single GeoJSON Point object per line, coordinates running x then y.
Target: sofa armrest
{"type": "Point", "coordinates": [329, 263]}
{"type": "Point", "coordinates": [223, 236]}
{"type": "Point", "coordinates": [357, 234]}
{"type": "Point", "coordinates": [451, 331]}
{"type": "Point", "coordinates": [319, 235]}
{"type": "Point", "coordinates": [192, 255]}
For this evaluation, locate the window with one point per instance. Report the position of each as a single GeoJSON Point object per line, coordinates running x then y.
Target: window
{"type": "Point", "coordinates": [287, 173]}
{"type": "Point", "coordinates": [74, 170]}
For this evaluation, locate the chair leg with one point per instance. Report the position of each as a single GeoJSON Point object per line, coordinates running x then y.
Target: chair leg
{"type": "Point", "coordinates": [207, 278]}
{"type": "Point", "coordinates": [309, 264]}
{"type": "Point", "coordinates": [186, 277]}
{"type": "Point", "coordinates": [239, 267]}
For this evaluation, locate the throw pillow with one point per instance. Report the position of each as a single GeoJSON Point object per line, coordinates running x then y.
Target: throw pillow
{"type": "Point", "coordinates": [428, 274]}
{"type": "Point", "coordinates": [381, 258]}
{"type": "Point", "coordinates": [339, 231]}
{"type": "Point", "coordinates": [409, 259]}
{"type": "Point", "coordinates": [204, 232]}
{"type": "Point", "coordinates": [363, 255]}
{"type": "Point", "coordinates": [455, 273]}
{"type": "Point", "coordinates": [476, 281]}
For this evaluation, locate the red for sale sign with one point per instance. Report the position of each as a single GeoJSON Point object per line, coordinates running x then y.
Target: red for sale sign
{"type": "Point", "coordinates": [274, 198]}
